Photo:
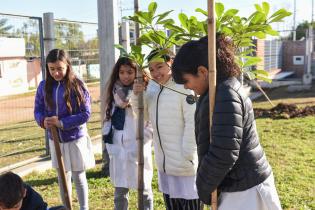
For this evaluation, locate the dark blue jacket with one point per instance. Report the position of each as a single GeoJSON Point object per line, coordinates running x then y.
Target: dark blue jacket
{"type": "Point", "coordinates": [72, 123]}
{"type": "Point", "coordinates": [235, 160]}
{"type": "Point", "coordinates": [33, 200]}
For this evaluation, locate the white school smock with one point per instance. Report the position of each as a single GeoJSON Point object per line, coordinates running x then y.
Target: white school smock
{"type": "Point", "coordinates": [123, 154]}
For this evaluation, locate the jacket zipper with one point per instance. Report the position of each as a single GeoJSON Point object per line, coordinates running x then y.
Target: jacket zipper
{"type": "Point", "coordinates": [57, 111]}
{"type": "Point", "coordinates": [157, 126]}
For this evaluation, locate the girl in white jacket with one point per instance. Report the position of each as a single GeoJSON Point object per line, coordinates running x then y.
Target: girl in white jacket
{"type": "Point", "coordinates": [175, 147]}
{"type": "Point", "coordinates": [119, 134]}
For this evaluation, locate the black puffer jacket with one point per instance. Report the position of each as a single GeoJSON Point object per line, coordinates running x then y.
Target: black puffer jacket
{"type": "Point", "coordinates": [235, 160]}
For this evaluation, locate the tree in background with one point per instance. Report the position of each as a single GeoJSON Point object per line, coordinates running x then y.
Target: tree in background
{"type": "Point", "coordinates": [69, 37]}
{"type": "Point", "coordinates": [301, 30]}
{"type": "Point", "coordinates": [4, 27]}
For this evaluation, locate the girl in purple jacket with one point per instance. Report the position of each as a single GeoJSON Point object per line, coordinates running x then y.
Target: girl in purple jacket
{"type": "Point", "coordinates": [62, 100]}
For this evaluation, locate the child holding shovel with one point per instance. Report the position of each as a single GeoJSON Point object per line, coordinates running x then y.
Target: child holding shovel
{"type": "Point", "coordinates": [63, 101]}
{"type": "Point", "coordinates": [234, 162]}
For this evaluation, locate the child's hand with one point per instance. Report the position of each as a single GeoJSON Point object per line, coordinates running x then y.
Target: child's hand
{"type": "Point", "coordinates": [137, 87]}
{"type": "Point", "coordinates": [49, 122]}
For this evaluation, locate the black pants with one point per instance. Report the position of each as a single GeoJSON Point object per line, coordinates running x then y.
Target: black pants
{"type": "Point", "coordinates": [180, 203]}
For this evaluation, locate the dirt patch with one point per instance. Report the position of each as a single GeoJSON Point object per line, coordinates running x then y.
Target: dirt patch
{"type": "Point", "coordinates": [284, 111]}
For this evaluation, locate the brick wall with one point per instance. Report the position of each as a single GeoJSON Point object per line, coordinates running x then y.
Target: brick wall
{"type": "Point", "coordinates": [290, 49]}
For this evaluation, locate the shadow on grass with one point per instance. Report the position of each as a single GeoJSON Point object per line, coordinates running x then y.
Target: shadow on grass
{"type": "Point", "coordinates": [21, 140]}
{"type": "Point", "coordinates": [14, 127]}
{"type": "Point", "coordinates": [29, 150]}
{"type": "Point", "coordinates": [93, 174]}
{"type": "Point", "coordinates": [42, 182]}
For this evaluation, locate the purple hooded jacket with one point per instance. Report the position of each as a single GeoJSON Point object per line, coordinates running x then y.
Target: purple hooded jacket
{"type": "Point", "coordinates": [73, 124]}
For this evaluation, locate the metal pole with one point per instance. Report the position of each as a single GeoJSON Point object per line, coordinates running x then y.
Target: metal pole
{"type": "Point", "coordinates": [43, 66]}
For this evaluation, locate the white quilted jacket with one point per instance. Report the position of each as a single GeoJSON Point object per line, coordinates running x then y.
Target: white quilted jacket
{"type": "Point", "coordinates": [173, 129]}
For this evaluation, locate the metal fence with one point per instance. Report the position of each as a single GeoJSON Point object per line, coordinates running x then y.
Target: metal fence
{"type": "Point", "coordinates": [21, 56]}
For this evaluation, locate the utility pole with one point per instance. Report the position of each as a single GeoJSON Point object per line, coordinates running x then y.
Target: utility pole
{"type": "Point", "coordinates": [312, 12]}
{"type": "Point", "coordinates": [294, 18]}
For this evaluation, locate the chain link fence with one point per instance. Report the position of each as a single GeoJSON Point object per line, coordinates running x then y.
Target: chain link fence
{"type": "Point", "coordinates": [21, 53]}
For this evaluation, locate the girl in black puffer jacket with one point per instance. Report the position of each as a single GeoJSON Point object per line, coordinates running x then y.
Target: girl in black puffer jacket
{"type": "Point", "coordinates": [234, 162]}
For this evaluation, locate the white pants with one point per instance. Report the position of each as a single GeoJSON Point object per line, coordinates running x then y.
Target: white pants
{"type": "Point", "coordinates": [260, 197]}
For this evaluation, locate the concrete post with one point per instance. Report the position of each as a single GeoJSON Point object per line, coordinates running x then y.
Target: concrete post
{"type": "Point", "coordinates": [125, 35]}
{"type": "Point", "coordinates": [307, 77]}
{"type": "Point", "coordinates": [49, 44]}
{"type": "Point", "coordinates": [108, 54]}
{"type": "Point", "coordinates": [49, 32]}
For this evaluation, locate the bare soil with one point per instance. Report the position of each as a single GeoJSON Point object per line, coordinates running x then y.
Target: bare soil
{"type": "Point", "coordinates": [284, 111]}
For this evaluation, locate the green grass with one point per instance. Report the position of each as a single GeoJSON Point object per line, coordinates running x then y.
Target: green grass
{"type": "Point", "coordinates": [289, 147]}
{"type": "Point", "coordinates": [20, 142]}
{"type": "Point", "coordinates": [100, 189]}
{"type": "Point", "coordinates": [25, 140]}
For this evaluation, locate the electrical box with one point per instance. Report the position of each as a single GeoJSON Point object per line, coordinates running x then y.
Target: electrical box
{"type": "Point", "coordinates": [298, 60]}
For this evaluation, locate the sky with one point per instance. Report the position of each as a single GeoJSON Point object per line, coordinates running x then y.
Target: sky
{"type": "Point", "coordinates": [86, 10]}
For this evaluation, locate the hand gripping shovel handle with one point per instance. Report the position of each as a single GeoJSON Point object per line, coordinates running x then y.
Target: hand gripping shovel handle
{"type": "Point", "coordinates": [61, 167]}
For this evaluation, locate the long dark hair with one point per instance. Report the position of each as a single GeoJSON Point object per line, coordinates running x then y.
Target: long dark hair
{"type": "Point", "coordinates": [71, 82]}
{"type": "Point", "coordinates": [113, 78]}
{"type": "Point", "coordinates": [195, 53]}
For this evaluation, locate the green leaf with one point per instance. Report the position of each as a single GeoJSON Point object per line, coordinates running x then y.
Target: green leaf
{"type": "Point", "coordinates": [226, 30]}
{"type": "Point", "coordinates": [265, 79]}
{"type": "Point", "coordinates": [258, 8]}
{"type": "Point", "coordinates": [183, 19]}
{"type": "Point", "coordinates": [163, 15]}
{"type": "Point", "coordinates": [152, 7]}
{"type": "Point", "coordinates": [266, 8]}
{"type": "Point", "coordinates": [258, 18]}
{"type": "Point", "coordinates": [202, 28]}
{"type": "Point", "coordinates": [201, 11]}
{"type": "Point", "coordinates": [280, 11]}
{"type": "Point", "coordinates": [258, 34]}
{"type": "Point", "coordinates": [122, 50]}
{"type": "Point", "coordinates": [280, 17]}
{"type": "Point", "coordinates": [167, 21]}
{"type": "Point", "coordinates": [272, 32]}
{"type": "Point", "coordinates": [228, 15]}
{"type": "Point", "coordinates": [136, 19]}
{"type": "Point", "coordinates": [231, 12]}
{"type": "Point", "coordinates": [144, 16]}
{"type": "Point", "coordinates": [151, 10]}
{"type": "Point", "coordinates": [250, 61]}
{"type": "Point", "coordinates": [261, 72]}
{"type": "Point", "coordinates": [174, 28]}
{"type": "Point", "coordinates": [219, 9]}
{"type": "Point", "coordinates": [246, 52]}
